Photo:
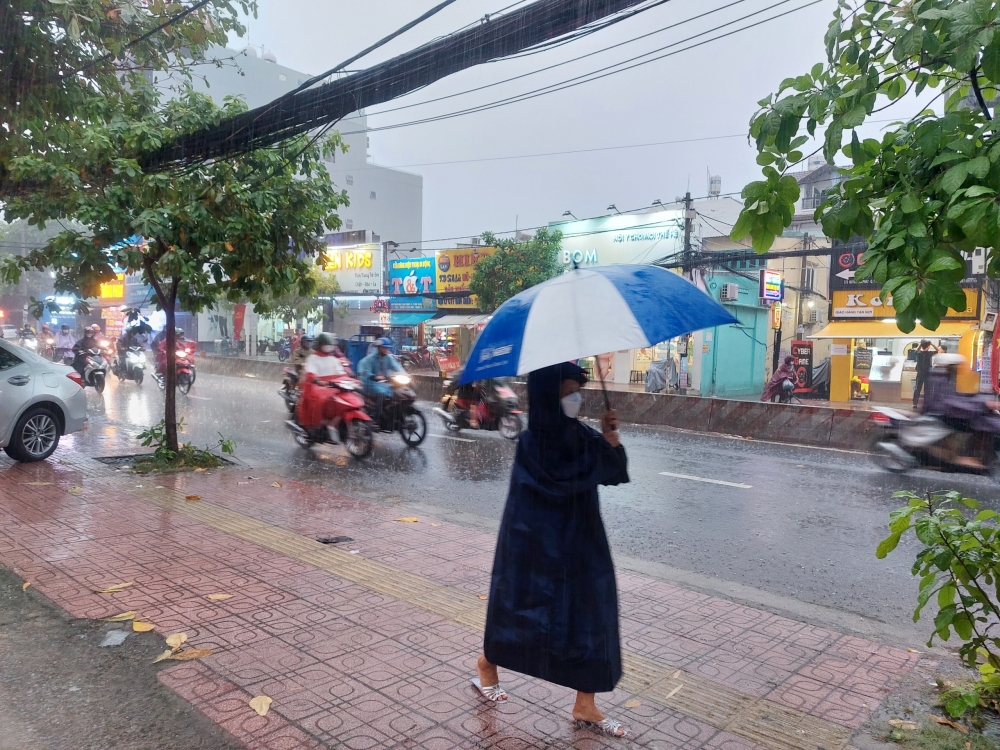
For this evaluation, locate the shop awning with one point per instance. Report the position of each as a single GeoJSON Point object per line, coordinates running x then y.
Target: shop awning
{"type": "Point", "coordinates": [453, 321]}
{"type": "Point", "coordinates": [409, 318]}
{"type": "Point", "coordinates": [882, 329]}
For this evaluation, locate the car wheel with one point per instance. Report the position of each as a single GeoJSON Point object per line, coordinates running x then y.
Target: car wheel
{"type": "Point", "coordinates": [35, 436]}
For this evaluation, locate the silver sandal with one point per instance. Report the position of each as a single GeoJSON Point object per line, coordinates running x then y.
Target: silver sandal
{"type": "Point", "coordinates": [608, 727]}
{"type": "Point", "coordinates": [493, 693]}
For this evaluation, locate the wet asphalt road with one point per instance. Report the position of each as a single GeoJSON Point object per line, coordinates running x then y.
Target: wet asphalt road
{"type": "Point", "coordinates": [797, 525]}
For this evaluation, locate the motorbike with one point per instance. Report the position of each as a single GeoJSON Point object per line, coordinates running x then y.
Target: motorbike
{"type": "Point", "coordinates": [351, 425]}
{"type": "Point", "coordinates": [285, 350]}
{"type": "Point", "coordinates": [398, 412]}
{"type": "Point", "coordinates": [29, 341]}
{"type": "Point", "coordinates": [495, 404]}
{"type": "Point", "coordinates": [787, 389]}
{"type": "Point", "coordinates": [185, 369]}
{"type": "Point", "coordinates": [46, 347]}
{"type": "Point", "coordinates": [95, 369]}
{"type": "Point", "coordinates": [419, 358]}
{"type": "Point", "coordinates": [907, 441]}
{"type": "Point", "coordinates": [290, 388]}
{"type": "Point", "coordinates": [130, 364]}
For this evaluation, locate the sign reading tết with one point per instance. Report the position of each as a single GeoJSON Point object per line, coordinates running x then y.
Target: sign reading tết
{"type": "Point", "coordinates": [357, 268]}
{"type": "Point", "coordinates": [868, 303]}
{"type": "Point", "coordinates": [454, 272]}
{"type": "Point", "coordinates": [412, 276]}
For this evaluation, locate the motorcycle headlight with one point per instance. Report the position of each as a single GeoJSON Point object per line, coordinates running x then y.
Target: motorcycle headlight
{"type": "Point", "coordinates": [180, 355]}
{"type": "Point", "coordinates": [401, 379]}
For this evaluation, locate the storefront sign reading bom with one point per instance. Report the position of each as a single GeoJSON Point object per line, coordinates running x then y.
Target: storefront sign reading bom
{"type": "Point", "coordinates": [454, 272]}
{"type": "Point", "coordinates": [357, 268]}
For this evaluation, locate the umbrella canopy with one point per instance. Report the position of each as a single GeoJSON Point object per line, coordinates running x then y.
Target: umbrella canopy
{"type": "Point", "coordinates": [588, 312]}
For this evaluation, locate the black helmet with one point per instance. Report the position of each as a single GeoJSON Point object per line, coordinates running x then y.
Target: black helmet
{"type": "Point", "coordinates": [324, 339]}
{"type": "Point", "coordinates": [307, 340]}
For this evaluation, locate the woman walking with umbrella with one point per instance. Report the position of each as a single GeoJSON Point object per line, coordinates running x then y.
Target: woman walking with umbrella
{"type": "Point", "coordinates": [553, 605]}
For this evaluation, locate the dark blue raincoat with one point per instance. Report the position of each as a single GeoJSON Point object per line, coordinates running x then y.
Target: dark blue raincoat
{"type": "Point", "coordinates": [553, 608]}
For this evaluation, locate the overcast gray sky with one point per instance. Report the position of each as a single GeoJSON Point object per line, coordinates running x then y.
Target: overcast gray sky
{"type": "Point", "coordinates": [703, 93]}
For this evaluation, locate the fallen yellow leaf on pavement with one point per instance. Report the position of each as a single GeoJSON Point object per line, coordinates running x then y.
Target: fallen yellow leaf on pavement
{"type": "Point", "coordinates": [408, 519]}
{"type": "Point", "coordinates": [200, 468]}
{"type": "Point", "coordinates": [163, 656]}
{"type": "Point", "coordinates": [913, 651]}
{"type": "Point", "coordinates": [483, 596]}
{"type": "Point", "coordinates": [434, 524]}
{"type": "Point", "coordinates": [192, 498]}
{"type": "Point", "coordinates": [674, 692]}
{"type": "Point", "coordinates": [35, 484]}
{"type": "Point", "coordinates": [116, 588]}
{"type": "Point", "coordinates": [903, 724]}
{"type": "Point", "coordinates": [189, 654]}
{"type": "Point", "coordinates": [261, 704]}
{"type": "Point", "coordinates": [949, 723]}
{"type": "Point", "coordinates": [24, 587]}
{"type": "Point", "coordinates": [142, 627]}
{"type": "Point", "coordinates": [176, 640]}
{"type": "Point", "coordinates": [632, 703]}
{"type": "Point", "coordinates": [275, 484]}
{"type": "Point", "coordinates": [75, 490]}
{"type": "Point", "coordinates": [124, 616]}
{"type": "Point", "coordinates": [675, 675]}
{"type": "Point", "coordinates": [219, 597]}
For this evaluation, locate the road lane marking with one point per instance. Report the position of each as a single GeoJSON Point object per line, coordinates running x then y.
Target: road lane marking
{"type": "Point", "coordinates": [200, 398]}
{"type": "Point", "coordinates": [449, 437]}
{"type": "Point", "coordinates": [704, 479]}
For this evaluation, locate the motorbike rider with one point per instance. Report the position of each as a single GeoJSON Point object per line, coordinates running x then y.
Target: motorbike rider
{"type": "Point", "coordinates": [322, 365]}
{"type": "Point", "coordinates": [80, 348]}
{"type": "Point", "coordinates": [161, 349]}
{"type": "Point", "coordinates": [970, 417]}
{"type": "Point", "coordinates": [302, 353]}
{"type": "Point", "coordinates": [64, 342]}
{"type": "Point", "coordinates": [375, 371]}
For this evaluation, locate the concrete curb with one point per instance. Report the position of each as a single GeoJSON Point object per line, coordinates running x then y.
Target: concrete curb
{"type": "Point", "coordinates": [821, 426]}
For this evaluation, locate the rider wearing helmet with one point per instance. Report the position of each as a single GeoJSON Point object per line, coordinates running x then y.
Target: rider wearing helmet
{"type": "Point", "coordinates": [303, 351]}
{"type": "Point", "coordinates": [81, 347]}
{"type": "Point", "coordinates": [160, 347]}
{"type": "Point", "coordinates": [321, 366]}
{"type": "Point", "coordinates": [376, 369]}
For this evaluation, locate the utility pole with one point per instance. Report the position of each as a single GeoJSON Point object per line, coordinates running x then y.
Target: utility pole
{"type": "Point", "coordinates": [688, 224]}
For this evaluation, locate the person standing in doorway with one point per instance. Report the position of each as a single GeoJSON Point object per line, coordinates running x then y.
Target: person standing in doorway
{"type": "Point", "coordinates": [925, 359]}
{"type": "Point", "coordinates": [553, 603]}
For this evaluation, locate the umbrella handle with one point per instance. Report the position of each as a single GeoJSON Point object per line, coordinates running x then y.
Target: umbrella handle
{"type": "Point", "coordinates": [604, 388]}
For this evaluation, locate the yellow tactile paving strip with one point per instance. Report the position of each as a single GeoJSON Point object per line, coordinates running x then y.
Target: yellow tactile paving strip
{"type": "Point", "coordinates": [756, 719]}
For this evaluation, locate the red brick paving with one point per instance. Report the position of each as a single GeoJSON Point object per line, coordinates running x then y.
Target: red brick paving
{"type": "Point", "coordinates": [349, 667]}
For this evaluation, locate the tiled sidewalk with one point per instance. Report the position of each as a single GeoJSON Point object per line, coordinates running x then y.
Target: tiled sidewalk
{"type": "Point", "coordinates": [371, 643]}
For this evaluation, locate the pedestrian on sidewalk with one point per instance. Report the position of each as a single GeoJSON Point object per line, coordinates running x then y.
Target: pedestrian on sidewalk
{"type": "Point", "coordinates": [775, 385]}
{"type": "Point", "coordinates": [925, 360]}
{"type": "Point", "coordinates": [553, 605]}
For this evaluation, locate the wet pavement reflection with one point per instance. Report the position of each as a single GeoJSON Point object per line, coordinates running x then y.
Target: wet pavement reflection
{"type": "Point", "coordinates": [799, 522]}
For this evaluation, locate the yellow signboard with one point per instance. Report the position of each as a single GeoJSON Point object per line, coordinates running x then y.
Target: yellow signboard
{"type": "Point", "coordinates": [454, 272]}
{"type": "Point", "coordinates": [113, 290]}
{"type": "Point", "coordinates": [357, 268]}
{"type": "Point", "coordinates": [852, 305]}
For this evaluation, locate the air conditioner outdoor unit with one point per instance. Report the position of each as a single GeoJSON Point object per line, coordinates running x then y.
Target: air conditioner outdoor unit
{"type": "Point", "coordinates": [730, 293]}
{"type": "Point", "coordinates": [814, 316]}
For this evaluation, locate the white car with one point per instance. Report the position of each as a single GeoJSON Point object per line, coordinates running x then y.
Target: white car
{"type": "Point", "coordinates": [40, 401]}
{"type": "Point", "coordinates": [9, 333]}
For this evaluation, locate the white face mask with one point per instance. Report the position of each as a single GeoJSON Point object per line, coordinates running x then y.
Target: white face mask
{"type": "Point", "coordinates": [327, 349]}
{"type": "Point", "coordinates": [571, 404]}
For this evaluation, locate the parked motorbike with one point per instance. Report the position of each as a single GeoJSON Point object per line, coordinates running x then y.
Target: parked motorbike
{"type": "Point", "coordinates": [905, 442]}
{"type": "Point", "coordinates": [95, 370]}
{"type": "Point", "coordinates": [290, 388]}
{"type": "Point", "coordinates": [130, 364]}
{"type": "Point", "coordinates": [495, 404]}
{"type": "Point", "coordinates": [285, 350]}
{"type": "Point", "coordinates": [419, 358]}
{"type": "Point", "coordinates": [185, 369]}
{"type": "Point", "coordinates": [351, 425]}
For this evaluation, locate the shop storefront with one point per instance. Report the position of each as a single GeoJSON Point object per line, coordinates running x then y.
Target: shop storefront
{"type": "Point", "coordinates": [871, 359]}
{"type": "Point", "coordinates": [455, 333]}
{"type": "Point", "coordinates": [409, 278]}
{"type": "Point", "coordinates": [454, 337]}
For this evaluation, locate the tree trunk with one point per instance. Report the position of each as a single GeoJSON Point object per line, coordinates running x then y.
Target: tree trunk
{"type": "Point", "coordinates": [170, 400]}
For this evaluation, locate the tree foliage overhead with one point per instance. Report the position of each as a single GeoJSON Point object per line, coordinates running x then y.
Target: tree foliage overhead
{"type": "Point", "coordinates": [59, 59]}
{"type": "Point", "coordinates": [246, 229]}
{"type": "Point", "coordinates": [515, 266]}
{"type": "Point", "coordinates": [928, 189]}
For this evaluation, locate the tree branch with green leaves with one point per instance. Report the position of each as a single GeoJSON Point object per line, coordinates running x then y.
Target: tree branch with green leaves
{"type": "Point", "coordinates": [927, 191]}
{"type": "Point", "coordinates": [515, 266]}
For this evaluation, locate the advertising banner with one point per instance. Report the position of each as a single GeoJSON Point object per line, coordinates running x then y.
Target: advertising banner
{"type": "Point", "coordinates": [357, 268]}
{"type": "Point", "coordinates": [803, 353]}
{"type": "Point", "coordinates": [867, 303]}
{"type": "Point", "coordinates": [412, 276]}
{"type": "Point", "coordinates": [623, 238]}
{"type": "Point", "coordinates": [454, 272]}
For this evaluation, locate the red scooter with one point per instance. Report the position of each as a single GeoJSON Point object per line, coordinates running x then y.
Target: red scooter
{"type": "Point", "coordinates": [350, 424]}
{"type": "Point", "coordinates": [184, 369]}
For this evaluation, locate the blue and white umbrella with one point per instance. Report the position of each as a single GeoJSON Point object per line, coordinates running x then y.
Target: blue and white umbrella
{"type": "Point", "coordinates": [587, 312]}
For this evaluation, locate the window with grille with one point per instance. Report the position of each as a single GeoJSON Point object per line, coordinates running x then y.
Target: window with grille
{"type": "Point", "coordinates": [350, 179]}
